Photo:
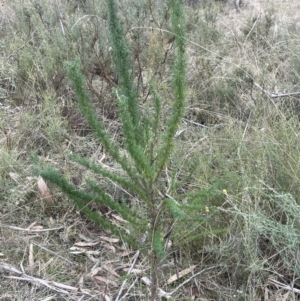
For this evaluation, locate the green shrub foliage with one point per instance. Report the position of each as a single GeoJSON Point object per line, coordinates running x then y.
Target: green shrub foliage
{"type": "Point", "coordinates": [143, 153]}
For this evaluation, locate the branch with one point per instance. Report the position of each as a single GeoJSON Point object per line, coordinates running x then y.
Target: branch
{"type": "Point", "coordinates": [276, 95]}
{"type": "Point", "coordinates": [55, 286]}
{"type": "Point", "coordinates": [29, 230]}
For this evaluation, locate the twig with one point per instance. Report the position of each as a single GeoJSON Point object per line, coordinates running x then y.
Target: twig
{"type": "Point", "coordinates": [284, 286]}
{"type": "Point", "coordinates": [196, 123]}
{"type": "Point", "coordinates": [137, 254]}
{"type": "Point", "coordinates": [85, 16]}
{"type": "Point", "coordinates": [62, 26]}
{"type": "Point", "coordinates": [55, 254]}
{"type": "Point", "coordinates": [37, 281]}
{"type": "Point", "coordinates": [55, 286]}
{"type": "Point", "coordinates": [276, 95]}
{"type": "Point", "coordinates": [29, 230]}
{"type": "Point", "coordinates": [252, 28]}
{"type": "Point", "coordinates": [49, 298]}
{"type": "Point", "coordinates": [239, 149]}
{"type": "Point", "coordinates": [128, 290]}
{"type": "Point", "coordinates": [60, 18]}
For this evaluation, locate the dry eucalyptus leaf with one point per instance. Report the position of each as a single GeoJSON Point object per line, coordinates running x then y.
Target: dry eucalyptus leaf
{"type": "Point", "coordinates": [44, 190]}
{"type": "Point", "coordinates": [110, 269]}
{"type": "Point", "coordinates": [109, 239]}
{"type": "Point", "coordinates": [105, 280]}
{"type": "Point", "coordinates": [31, 257]}
{"type": "Point", "coordinates": [84, 237]}
{"type": "Point", "coordinates": [134, 271]}
{"type": "Point", "coordinates": [146, 280]}
{"type": "Point", "coordinates": [86, 244]}
{"type": "Point", "coordinates": [81, 282]}
{"type": "Point", "coordinates": [119, 218]}
{"type": "Point", "coordinates": [92, 252]}
{"type": "Point", "coordinates": [110, 247]}
{"type": "Point", "coordinates": [75, 250]}
{"type": "Point", "coordinates": [126, 253]}
{"type": "Point", "coordinates": [95, 271]}
{"type": "Point", "coordinates": [102, 158]}
{"type": "Point", "coordinates": [37, 227]}
{"type": "Point", "coordinates": [32, 225]}
{"type": "Point", "coordinates": [180, 274]}
{"type": "Point", "coordinates": [109, 261]}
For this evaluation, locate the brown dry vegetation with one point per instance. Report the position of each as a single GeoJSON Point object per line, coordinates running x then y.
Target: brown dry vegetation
{"type": "Point", "coordinates": [240, 128]}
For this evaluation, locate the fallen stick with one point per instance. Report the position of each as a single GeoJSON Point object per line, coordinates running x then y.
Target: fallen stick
{"type": "Point", "coordinates": [285, 286]}
{"type": "Point", "coordinates": [276, 95]}
{"type": "Point", "coordinates": [53, 285]}
{"type": "Point", "coordinates": [30, 230]}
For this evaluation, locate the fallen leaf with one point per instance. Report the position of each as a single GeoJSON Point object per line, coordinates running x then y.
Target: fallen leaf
{"type": "Point", "coordinates": [32, 225]}
{"type": "Point", "coordinates": [102, 279]}
{"type": "Point", "coordinates": [134, 271]}
{"type": "Point", "coordinates": [38, 227]}
{"type": "Point", "coordinates": [109, 261]}
{"type": "Point", "coordinates": [31, 257]}
{"type": "Point", "coordinates": [92, 252]}
{"type": "Point", "coordinates": [43, 188]}
{"type": "Point", "coordinates": [81, 282]}
{"type": "Point", "coordinates": [48, 263]}
{"type": "Point", "coordinates": [102, 158]}
{"type": "Point", "coordinates": [126, 253]}
{"type": "Point", "coordinates": [119, 218]}
{"type": "Point", "coordinates": [146, 280]}
{"type": "Point", "coordinates": [107, 298]}
{"type": "Point", "coordinates": [76, 250]}
{"type": "Point", "coordinates": [95, 271]}
{"type": "Point", "coordinates": [86, 244]}
{"type": "Point", "coordinates": [109, 239]}
{"type": "Point", "coordinates": [105, 280]}
{"type": "Point", "coordinates": [84, 237]}
{"type": "Point", "coordinates": [168, 245]}
{"type": "Point", "coordinates": [110, 247]}
{"type": "Point", "coordinates": [93, 259]}
{"type": "Point", "coordinates": [110, 269]}
{"type": "Point", "coordinates": [180, 274]}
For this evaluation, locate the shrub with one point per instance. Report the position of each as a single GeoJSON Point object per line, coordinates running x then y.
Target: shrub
{"type": "Point", "coordinates": [143, 153]}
